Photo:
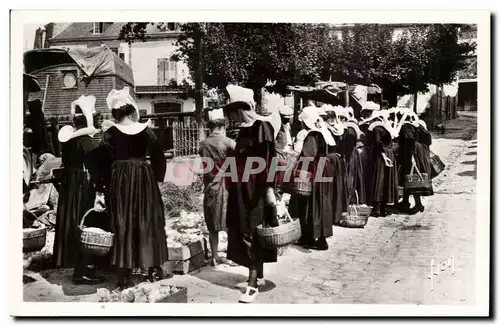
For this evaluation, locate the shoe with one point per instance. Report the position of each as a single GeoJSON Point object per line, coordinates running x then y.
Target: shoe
{"type": "Point", "coordinates": [87, 280]}
{"type": "Point", "coordinates": [319, 244]}
{"type": "Point", "coordinates": [416, 210]}
{"type": "Point", "coordinates": [260, 283]}
{"type": "Point", "coordinates": [250, 295]}
{"type": "Point", "coordinates": [154, 276]}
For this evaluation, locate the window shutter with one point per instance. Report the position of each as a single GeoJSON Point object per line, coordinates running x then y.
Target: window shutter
{"type": "Point", "coordinates": [159, 71]}
{"type": "Point", "coordinates": [176, 71]}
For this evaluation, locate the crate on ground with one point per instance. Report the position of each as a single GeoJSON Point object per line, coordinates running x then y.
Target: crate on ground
{"type": "Point", "coordinates": [186, 251]}
{"type": "Point", "coordinates": [185, 259]}
{"type": "Point", "coordinates": [185, 266]}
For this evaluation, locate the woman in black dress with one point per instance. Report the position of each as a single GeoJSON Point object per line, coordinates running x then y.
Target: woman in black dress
{"type": "Point", "coordinates": [355, 184]}
{"type": "Point", "coordinates": [385, 179]}
{"type": "Point", "coordinates": [76, 193]}
{"type": "Point", "coordinates": [249, 199]}
{"type": "Point", "coordinates": [129, 185]}
{"type": "Point", "coordinates": [316, 211]}
{"type": "Point", "coordinates": [414, 142]}
{"type": "Point", "coordinates": [422, 159]}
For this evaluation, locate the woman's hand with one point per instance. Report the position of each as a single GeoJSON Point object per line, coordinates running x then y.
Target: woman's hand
{"type": "Point", "coordinates": [99, 203]}
{"type": "Point", "coordinates": [270, 196]}
{"type": "Point", "coordinates": [387, 161]}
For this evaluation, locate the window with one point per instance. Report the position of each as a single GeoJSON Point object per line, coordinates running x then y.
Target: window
{"type": "Point", "coordinates": [69, 79]}
{"type": "Point", "coordinates": [98, 27]}
{"type": "Point", "coordinates": [167, 71]}
{"type": "Point", "coordinates": [122, 56]}
{"type": "Point", "coordinates": [169, 27]}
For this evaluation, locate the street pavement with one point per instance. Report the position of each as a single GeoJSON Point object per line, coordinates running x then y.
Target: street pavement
{"type": "Point", "coordinates": [389, 260]}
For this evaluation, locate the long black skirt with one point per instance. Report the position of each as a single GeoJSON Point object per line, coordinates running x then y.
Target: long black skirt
{"type": "Point", "coordinates": [366, 157]}
{"type": "Point", "coordinates": [385, 181]}
{"type": "Point", "coordinates": [355, 183]}
{"type": "Point", "coordinates": [339, 187]}
{"type": "Point", "coordinates": [137, 216]}
{"type": "Point", "coordinates": [423, 160]}
{"type": "Point", "coordinates": [243, 246]}
{"type": "Point", "coordinates": [76, 197]}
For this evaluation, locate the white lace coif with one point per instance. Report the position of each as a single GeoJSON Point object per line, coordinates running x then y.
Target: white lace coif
{"type": "Point", "coordinates": [117, 99]}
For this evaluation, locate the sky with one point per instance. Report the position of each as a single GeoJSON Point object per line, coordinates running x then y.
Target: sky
{"type": "Point", "coordinates": [29, 36]}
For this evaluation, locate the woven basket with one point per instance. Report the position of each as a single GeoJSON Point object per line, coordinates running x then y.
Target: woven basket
{"type": "Point", "coordinates": [94, 243]}
{"type": "Point", "coordinates": [361, 210]}
{"type": "Point", "coordinates": [352, 219]}
{"type": "Point", "coordinates": [280, 236]}
{"type": "Point", "coordinates": [302, 183]}
{"type": "Point", "coordinates": [419, 183]}
{"type": "Point", "coordinates": [34, 240]}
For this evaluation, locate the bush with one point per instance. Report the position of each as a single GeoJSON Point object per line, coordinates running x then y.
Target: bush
{"type": "Point", "coordinates": [177, 199]}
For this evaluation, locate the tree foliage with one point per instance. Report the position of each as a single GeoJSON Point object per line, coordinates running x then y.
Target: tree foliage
{"type": "Point", "coordinates": [251, 54]}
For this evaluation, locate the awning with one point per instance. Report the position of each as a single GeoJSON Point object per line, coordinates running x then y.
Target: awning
{"type": "Point", "coordinates": [326, 92]}
{"type": "Point", "coordinates": [94, 62]}
{"type": "Point", "coordinates": [30, 83]}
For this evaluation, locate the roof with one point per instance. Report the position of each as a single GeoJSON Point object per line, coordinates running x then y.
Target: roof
{"type": "Point", "coordinates": [82, 30]}
{"type": "Point", "coordinates": [94, 62]}
{"type": "Point", "coordinates": [85, 31]}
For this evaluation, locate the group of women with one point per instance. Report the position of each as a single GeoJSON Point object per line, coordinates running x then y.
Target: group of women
{"type": "Point", "coordinates": [360, 157]}
{"type": "Point", "coordinates": [367, 159]}
{"type": "Point", "coordinates": [365, 162]}
{"type": "Point", "coordinates": [114, 174]}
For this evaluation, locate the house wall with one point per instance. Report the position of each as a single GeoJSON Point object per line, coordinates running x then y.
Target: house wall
{"type": "Point", "coordinates": [145, 57]}
{"type": "Point", "coordinates": [146, 102]}
{"type": "Point", "coordinates": [58, 100]}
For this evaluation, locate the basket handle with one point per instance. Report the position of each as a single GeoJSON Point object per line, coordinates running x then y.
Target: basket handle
{"type": "Point", "coordinates": [355, 210]}
{"type": "Point", "coordinates": [84, 217]}
{"type": "Point", "coordinates": [357, 196]}
{"type": "Point", "coordinates": [414, 167]}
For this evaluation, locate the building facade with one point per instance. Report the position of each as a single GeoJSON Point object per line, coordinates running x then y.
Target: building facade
{"type": "Point", "coordinates": [157, 77]}
{"type": "Point", "coordinates": [467, 78]}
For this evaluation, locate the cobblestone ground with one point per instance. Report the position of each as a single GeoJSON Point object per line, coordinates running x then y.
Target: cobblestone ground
{"type": "Point", "coordinates": [386, 262]}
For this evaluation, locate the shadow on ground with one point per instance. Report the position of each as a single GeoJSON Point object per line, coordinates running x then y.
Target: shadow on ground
{"type": "Point", "coordinates": [468, 174]}
{"type": "Point", "coordinates": [473, 162]}
{"type": "Point", "coordinates": [229, 280]}
{"type": "Point", "coordinates": [64, 278]}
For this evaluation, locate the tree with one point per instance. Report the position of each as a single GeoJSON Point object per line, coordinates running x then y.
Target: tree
{"type": "Point", "coordinates": [430, 54]}
{"type": "Point", "coordinates": [248, 54]}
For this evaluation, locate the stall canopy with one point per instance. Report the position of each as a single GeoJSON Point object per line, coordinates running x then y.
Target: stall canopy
{"type": "Point", "coordinates": [326, 92]}
{"type": "Point", "coordinates": [30, 84]}
{"type": "Point", "coordinates": [94, 62]}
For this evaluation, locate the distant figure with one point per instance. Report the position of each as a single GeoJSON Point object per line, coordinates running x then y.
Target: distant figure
{"type": "Point", "coordinates": [38, 139]}
{"type": "Point", "coordinates": [215, 147]}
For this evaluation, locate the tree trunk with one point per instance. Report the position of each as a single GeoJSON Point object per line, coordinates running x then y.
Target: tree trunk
{"type": "Point", "coordinates": [199, 80]}
{"type": "Point", "coordinates": [415, 96]}
{"type": "Point", "coordinates": [258, 99]}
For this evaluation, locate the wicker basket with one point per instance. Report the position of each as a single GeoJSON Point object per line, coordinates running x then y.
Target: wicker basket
{"type": "Point", "coordinates": [280, 236]}
{"type": "Point", "coordinates": [361, 210]}
{"type": "Point", "coordinates": [302, 183]}
{"type": "Point", "coordinates": [34, 240]}
{"type": "Point", "coordinates": [94, 243]}
{"type": "Point", "coordinates": [419, 183]}
{"type": "Point", "coordinates": [352, 219]}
